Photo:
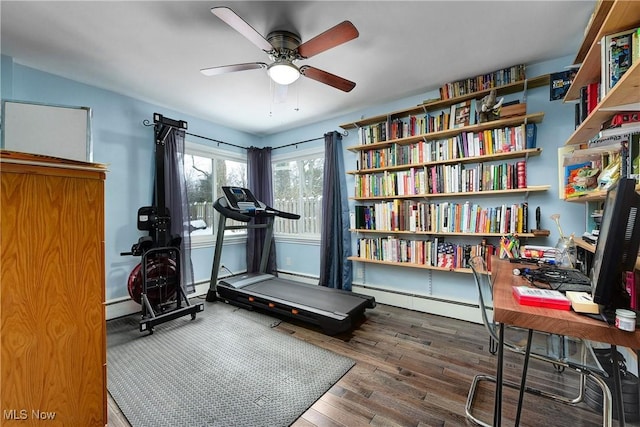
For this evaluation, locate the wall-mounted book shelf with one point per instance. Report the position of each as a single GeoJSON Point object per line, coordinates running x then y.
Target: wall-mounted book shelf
{"type": "Point", "coordinates": [624, 93]}
{"type": "Point", "coordinates": [520, 86]}
{"type": "Point", "coordinates": [434, 233]}
{"type": "Point", "coordinates": [495, 124]}
{"type": "Point", "coordinates": [530, 189]}
{"type": "Point", "coordinates": [531, 152]}
{"type": "Point", "coordinates": [410, 265]}
{"type": "Point", "coordinates": [622, 15]}
{"type": "Point", "coordinates": [396, 176]}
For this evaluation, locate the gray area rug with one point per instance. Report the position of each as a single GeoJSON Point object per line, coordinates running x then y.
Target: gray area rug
{"type": "Point", "coordinates": [225, 368]}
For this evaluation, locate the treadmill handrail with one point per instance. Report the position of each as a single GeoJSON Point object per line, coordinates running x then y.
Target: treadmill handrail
{"type": "Point", "coordinates": [228, 212]}
{"type": "Point", "coordinates": [245, 216]}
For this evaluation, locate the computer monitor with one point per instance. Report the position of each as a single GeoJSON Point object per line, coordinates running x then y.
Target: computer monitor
{"type": "Point", "coordinates": [617, 246]}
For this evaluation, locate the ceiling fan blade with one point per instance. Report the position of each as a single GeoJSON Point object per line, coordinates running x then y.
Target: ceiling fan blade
{"type": "Point", "coordinates": [213, 71]}
{"type": "Point", "coordinates": [327, 78]}
{"type": "Point", "coordinates": [335, 36]}
{"type": "Point", "coordinates": [241, 26]}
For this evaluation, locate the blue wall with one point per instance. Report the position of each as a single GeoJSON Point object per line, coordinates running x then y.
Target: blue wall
{"type": "Point", "coordinates": [121, 141]}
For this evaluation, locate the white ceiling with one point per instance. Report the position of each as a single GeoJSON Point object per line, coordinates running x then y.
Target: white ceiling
{"type": "Point", "coordinates": [153, 50]}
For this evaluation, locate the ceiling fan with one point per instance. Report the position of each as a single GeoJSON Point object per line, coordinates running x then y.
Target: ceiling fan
{"type": "Point", "coordinates": [284, 49]}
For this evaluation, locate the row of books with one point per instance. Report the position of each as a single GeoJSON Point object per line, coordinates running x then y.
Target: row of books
{"type": "Point", "coordinates": [414, 126]}
{"type": "Point", "coordinates": [398, 128]}
{"type": "Point", "coordinates": [619, 51]}
{"type": "Point", "coordinates": [497, 78]}
{"type": "Point", "coordinates": [463, 145]}
{"type": "Point", "coordinates": [444, 217]}
{"type": "Point", "coordinates": [441, 179]}
{"type": "Point", "coordinates": [433, 253]}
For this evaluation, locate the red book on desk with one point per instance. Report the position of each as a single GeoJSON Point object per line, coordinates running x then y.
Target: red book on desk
{"type": "Point", "coordinates": [547, 298]}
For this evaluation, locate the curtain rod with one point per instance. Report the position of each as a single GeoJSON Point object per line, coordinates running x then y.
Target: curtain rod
{"type": "Point", "coordinates": [344, 133]}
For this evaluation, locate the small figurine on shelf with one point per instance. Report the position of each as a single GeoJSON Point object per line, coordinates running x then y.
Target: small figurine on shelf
{"type": "Point", "coordinates": [488, 107]}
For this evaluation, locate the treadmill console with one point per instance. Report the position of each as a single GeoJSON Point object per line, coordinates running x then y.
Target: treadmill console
{"type": "Point", "coordinates": [241, 199]}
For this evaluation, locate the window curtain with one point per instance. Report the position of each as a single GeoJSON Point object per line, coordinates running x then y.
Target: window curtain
{"type": "Point", "coordinates": [177, 202]}
{"type": "Point", "coordinates": [260, 183]}
{"type": "Point", "coordinates": [335, 242]}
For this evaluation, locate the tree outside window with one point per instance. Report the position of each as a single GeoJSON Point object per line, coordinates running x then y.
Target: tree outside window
{"type": "Point", "coordinates": [297, 188]}
{"type": "Point", "coordinates": [206, 171]}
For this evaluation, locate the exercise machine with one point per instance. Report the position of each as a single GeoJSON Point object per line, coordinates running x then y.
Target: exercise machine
{"type": "Point", "coordinates": [156, 282]}
{"type": "Point", "coordinates": [333, 310]}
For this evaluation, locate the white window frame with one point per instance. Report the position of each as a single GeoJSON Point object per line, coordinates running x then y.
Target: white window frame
{"type": "Point", "coordinates": [297, 155]}
{"type": "Point", "coordinates": [217, 154]}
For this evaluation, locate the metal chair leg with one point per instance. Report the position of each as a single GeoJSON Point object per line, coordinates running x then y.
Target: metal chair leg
{"type": "Point", "coordinates": [523, 381]}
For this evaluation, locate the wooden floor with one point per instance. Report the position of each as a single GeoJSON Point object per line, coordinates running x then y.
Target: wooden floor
{"type": "Point", "coordinates": [415, 369]}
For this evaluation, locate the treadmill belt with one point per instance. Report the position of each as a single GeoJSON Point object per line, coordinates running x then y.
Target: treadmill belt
{"type": "Point", "coordinates": [314, 296]}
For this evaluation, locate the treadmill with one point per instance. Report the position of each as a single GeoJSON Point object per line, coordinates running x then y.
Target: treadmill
{"type": "Point", "coordinates": [333, 310]}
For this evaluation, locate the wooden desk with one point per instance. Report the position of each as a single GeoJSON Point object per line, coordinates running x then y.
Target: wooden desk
{"type": "Point", "coordinates": [507, 311]}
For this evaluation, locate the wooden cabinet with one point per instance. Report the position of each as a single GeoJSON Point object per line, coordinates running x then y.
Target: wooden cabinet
{"type": "Point", "coordinates": [52, 314]}
{"type": "Point", "coordinates": [395, 171]}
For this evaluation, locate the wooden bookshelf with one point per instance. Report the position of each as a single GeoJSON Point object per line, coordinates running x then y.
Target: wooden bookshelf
{"type": "Point", "coordinates": [433, 233]}
{"type": "Point", "coordinates": [410, 265]}
{"type": "Point", "coordinates": [593, 196]}
{"type": "Point", "coordinates": [442, 134]}
{"type": "Point", "coordinates": [531, 152]}
{"type": "Point", "coordinates": [520, 86]}
{"type": "Point", "coordinates": [530, 189]}
{"type": "Point", "coordinates": [378, 173]}
{"type": "Point", "coordinates": [625, 92]}
{"type": "Point", "coordinates": [602, 10]}
{"type": "Point", "coordinates": [589, 247]}
{"type": "Point", "coordinates": [620, 16]}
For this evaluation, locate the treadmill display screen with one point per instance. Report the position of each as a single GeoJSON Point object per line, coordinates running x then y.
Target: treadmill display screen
{"type": "Point", "coordinates": [240, 198]}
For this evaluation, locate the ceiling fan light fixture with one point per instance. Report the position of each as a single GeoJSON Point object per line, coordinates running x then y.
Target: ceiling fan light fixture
{"type": "Point", "coordinates": [283, 72]}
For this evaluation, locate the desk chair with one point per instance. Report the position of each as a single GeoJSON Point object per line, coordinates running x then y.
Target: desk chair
{"type": "Point", "coordinates": [560, 351]}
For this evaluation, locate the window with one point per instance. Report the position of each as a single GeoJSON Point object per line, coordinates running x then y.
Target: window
{"type": "Point", "coordinates": [297, 188]}
{"type": "Point", "coordinates": [206, 171]}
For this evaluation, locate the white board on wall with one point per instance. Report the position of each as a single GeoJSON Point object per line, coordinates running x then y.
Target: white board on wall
{"type": "Point", "coordinates": [51, 130]}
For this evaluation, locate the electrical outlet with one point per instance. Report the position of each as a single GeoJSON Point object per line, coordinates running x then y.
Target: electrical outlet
{"type": "Point", "coordinates": [287, 261]}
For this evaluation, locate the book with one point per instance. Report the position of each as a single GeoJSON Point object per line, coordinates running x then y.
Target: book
{"type": "Point", "coordinates": [620, 119]}
{"type": "Point", "coordinates": [593, 97]}
{"type": "Point", "coordinates": [535, 297]}
{"type": "Point", "coordinates": [461, 114]}
{"type": "Point", "coordinates": [581, 302]}
{"type": "Point", "coordinates": [619, 56]}
{"type": "Point", "coordinates": [532, 133]}
{"type": "Point", "coordinates": [624, 129]}
{"type": "Point", "coordinates": [616, 58]}
{"type": "Point", "coordinates": [559, 84]}
{"type": "Point", "coordinates": [581, 107]}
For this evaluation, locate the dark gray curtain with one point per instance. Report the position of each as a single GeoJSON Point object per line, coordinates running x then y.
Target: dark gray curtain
{"type": "Point", "coordinates": [335, 243]}
{"type": "Point", "coordinates": [177, 201]}
{"type": "Point", "coordinates": [260, 183]}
